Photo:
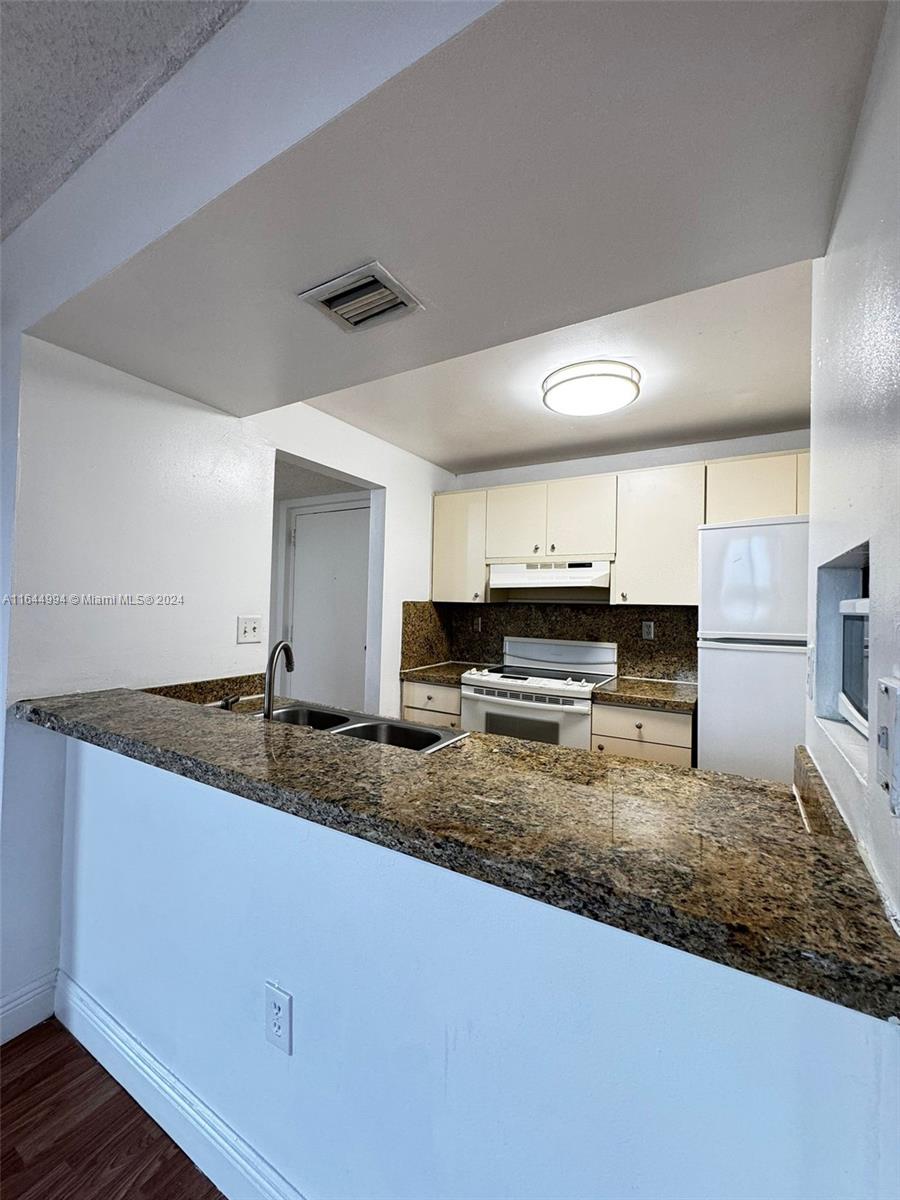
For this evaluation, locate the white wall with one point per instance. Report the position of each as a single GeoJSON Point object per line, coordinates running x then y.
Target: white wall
{"type": "Point", "coordinates": [127, 488]}
{"type": "Point", "coordinates": [407, 483]}
{"type": "Point", "coordinates": [662, 456]}
{"type": "Point", "coordinates": [855, 485]}
{"type": "Point", "coordinates": [451, 1039]}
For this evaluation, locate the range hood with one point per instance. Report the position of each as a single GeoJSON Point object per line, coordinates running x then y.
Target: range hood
{"type": "Point", "coordinates": [550, 574]}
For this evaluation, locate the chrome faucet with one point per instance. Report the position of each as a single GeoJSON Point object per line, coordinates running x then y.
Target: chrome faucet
{"type": "Point", "coordinates": [271, 667]}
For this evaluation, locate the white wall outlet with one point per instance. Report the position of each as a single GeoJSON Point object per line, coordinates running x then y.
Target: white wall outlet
{"type": "Point", "coordinates": [249, 629]}
{"type": "Point", "coordinates": [887, 734]}
{"type": "Point", "coordinates": [279, 1017]}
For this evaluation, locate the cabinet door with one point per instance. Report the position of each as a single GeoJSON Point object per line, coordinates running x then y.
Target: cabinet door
{"type": "Point", "coordinates": [656, 540]}
{"type": "Point", "coordinates": [458, 570]}
{"type": "Point", "coordinates": [803, 483]}
{"type": "Point", "coordinates": [581, 516]}
{"type": "Point", "coordinates": [743, 489]}
{"type": "Point", "coordinates": [517, 521]}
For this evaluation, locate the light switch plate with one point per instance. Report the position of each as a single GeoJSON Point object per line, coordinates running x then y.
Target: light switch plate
{"type": "Point", "coordinates": [249, 629]}
{"type": "Point", "coordinates": [887, 737]}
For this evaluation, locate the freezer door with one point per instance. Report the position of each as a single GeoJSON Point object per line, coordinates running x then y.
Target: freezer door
{"type": "Point", "coordinates": [753, 579]}
{"type": "Point", "coordinates": [751, 709]}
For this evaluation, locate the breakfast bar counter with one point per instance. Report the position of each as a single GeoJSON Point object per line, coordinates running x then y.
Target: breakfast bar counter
{"type": "Point", "coordinates": [715, 865]}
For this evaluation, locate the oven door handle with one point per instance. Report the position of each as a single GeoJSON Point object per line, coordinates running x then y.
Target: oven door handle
{"type": "Point", "coordinates": [578, 709]}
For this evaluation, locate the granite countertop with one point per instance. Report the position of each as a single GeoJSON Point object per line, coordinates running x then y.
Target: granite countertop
{"type": "Point", "coordinates": [716, 865]}
{"type": "Point", "coordinates": [446, 673]}
{"type": "Point", "coordinates": [662, 694]}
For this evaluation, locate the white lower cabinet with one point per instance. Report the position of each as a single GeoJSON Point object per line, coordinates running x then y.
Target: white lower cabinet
{"type": "Point", "coordinates": [431, 704]}
{"type": "Point", "coordinates": [642, 733]}
{"type": "Point", "coordinates": [428, 716]}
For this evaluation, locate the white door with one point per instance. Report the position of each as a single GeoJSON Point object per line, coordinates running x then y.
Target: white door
{"type": "Point", "coordinates": [751, 709]}
{"type": "Point", "coordinates": [753, 579]}
{"type": "Point", "coordinates": [327, 612]}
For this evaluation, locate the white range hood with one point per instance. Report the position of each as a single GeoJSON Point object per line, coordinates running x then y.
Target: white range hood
{"type": "Point", "coordinates": [555, 574]}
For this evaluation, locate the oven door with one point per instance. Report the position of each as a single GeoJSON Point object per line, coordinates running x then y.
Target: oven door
{"type": "Point", "coordinates": [535, 721]}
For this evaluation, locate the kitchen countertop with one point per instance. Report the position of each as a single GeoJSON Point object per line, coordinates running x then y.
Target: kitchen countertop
{"type": "Point", "coordinates": [662, 694]}
{"type": "Point", "coordinates": [715, 865]}
{"type": "Point", "coordinates": [446, 673]}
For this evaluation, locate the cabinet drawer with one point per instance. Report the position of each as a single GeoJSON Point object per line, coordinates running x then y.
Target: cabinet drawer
{"type": "Point", "coordinates": [431, 696]}
{"type": "Point", "coordinates": [641, 724]}
{"type": "Point", "coordinates": [427, 717]}
{"type": "Point", "coordinates": [674, 756]}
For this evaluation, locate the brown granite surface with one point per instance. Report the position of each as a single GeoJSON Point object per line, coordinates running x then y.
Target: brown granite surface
{"type": "Point", "coordinates": [715, 865]}
{"type": "Point", "coordinates": [423, 639]}
{"type": "Point", "coordinates": [206, 691]}
{"type": "Point", "coordinates": [816, 802]}
{"type": "Point", "coordinates": [446, 673]}
{"type": "Point", "coordinates": [648, 693]}
{"type": "Point", "coordinates": [475, 632]}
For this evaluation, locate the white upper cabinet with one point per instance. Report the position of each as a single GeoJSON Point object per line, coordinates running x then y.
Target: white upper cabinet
{"type": "Point", "coordinates": [517, 521]}
{"type": "Point", "coordinates": [581, 517]}
{"type": "Point", "coordinates": [458, 571]}
{"type": "Point", "coordinates": [744, 489]}
{"type": "Point", "coordinates": [659, 512]}
{"type": "Point", "coordinates": [803, 483]}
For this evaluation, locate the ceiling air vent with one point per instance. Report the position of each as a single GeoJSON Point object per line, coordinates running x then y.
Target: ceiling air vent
{"type": "Point", "coordinates": [362, 298]}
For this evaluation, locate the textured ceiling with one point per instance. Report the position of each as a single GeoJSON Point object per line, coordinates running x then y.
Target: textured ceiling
{"type": "Point", "coordinates": [74, 70]}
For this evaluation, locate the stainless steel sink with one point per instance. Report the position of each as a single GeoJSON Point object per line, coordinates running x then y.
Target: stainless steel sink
{"type": "Point", "coordinates": [395, 733]}
{"type": "Point", "coordinates": [423, 739]}
{"type": "Point", "coordinates": [315, 718]}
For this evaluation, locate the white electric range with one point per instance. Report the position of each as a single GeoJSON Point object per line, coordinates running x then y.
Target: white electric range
{"type": "Point", "coordinates": [540, 692]}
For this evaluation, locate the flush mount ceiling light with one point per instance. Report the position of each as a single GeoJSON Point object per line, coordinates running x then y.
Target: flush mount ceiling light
{"type": "Point", "coordinates": [588, 389]}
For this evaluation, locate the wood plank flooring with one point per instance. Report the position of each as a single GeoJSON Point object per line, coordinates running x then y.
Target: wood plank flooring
{"type": "Point", "coordinates": [68, 1131]}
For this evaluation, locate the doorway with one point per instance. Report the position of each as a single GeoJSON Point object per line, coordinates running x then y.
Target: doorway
{"type": "Point", "coordinates": [323, 579]}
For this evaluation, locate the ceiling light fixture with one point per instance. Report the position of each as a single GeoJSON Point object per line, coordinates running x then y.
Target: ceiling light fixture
{"type": "Point", "coordinates": [587, 389]}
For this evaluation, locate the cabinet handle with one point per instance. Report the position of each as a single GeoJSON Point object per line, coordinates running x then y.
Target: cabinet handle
{"type": "Point", "coordinates": [536, 547]}
{"type": "Point", "coordinates": [552, 547]}
{"type": "Point", "coordinates": [639, 724]}
{"type": "Point", "coordinates": [624, 595]}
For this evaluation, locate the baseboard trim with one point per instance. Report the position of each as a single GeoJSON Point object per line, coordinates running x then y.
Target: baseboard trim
{"type": "Point", "coordinates": [27, 1006]}
{"type": "Point", "coordinates": [208, 1140]}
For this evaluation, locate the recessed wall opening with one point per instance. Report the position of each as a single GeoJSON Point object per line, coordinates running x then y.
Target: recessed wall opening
{"type": "Point", "coordinates": [327, 565]}
{"type": "Point", "coordinates": [842, 694]}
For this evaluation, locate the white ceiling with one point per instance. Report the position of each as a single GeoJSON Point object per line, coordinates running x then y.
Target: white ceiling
{"type": "Point", "coordinates": [72, 72]}
{"type": "Point", "coordinates": [553, 163]}
{"type": "Point", "coordinates": [721, 362]}
{"type": "Point", "coordinates": [296, 481]}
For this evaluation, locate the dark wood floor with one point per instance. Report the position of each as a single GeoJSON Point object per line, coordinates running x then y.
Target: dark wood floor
{"type": "Point", "coordinates": [69, 1132]}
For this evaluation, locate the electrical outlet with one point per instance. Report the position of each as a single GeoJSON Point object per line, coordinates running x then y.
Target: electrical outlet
{"type": "Point", "coordinates": [647, 631]}
{"type": "Point", "coordinates": [279, 1017]}
{"type": "Point", "coordinates": [249, 629]}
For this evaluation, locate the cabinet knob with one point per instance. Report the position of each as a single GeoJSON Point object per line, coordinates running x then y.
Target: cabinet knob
{"type": "Point", "coordinates": [477, 594]}
{"type": "Point", "coordinates": [624, 595]}
{"type": "Point", "coordinates": [639, 724]}
{"type": "Point", "coordinates": [552, 547]}
{"type": "Point", "coordinates": [429, 697]}
{"type": "Point", "coordinates": [536, 547]}
{"type": "Point", "coordinates": [600, 746]}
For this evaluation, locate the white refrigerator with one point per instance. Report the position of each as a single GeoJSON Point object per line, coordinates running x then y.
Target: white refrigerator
{"type": "Point", "coordinates": [751, 701]}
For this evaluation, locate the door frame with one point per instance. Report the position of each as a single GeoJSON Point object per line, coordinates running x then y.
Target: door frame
{"type": "Point", "coordinates": [283, 554]}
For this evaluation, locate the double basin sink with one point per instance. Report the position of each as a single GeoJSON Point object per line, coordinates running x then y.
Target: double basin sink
{"type": "Point", "coordinates": [424, 739]}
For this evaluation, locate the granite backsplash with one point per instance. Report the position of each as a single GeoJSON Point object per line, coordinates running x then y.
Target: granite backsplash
{"type": "Point", "coordinates": [450, 632]}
